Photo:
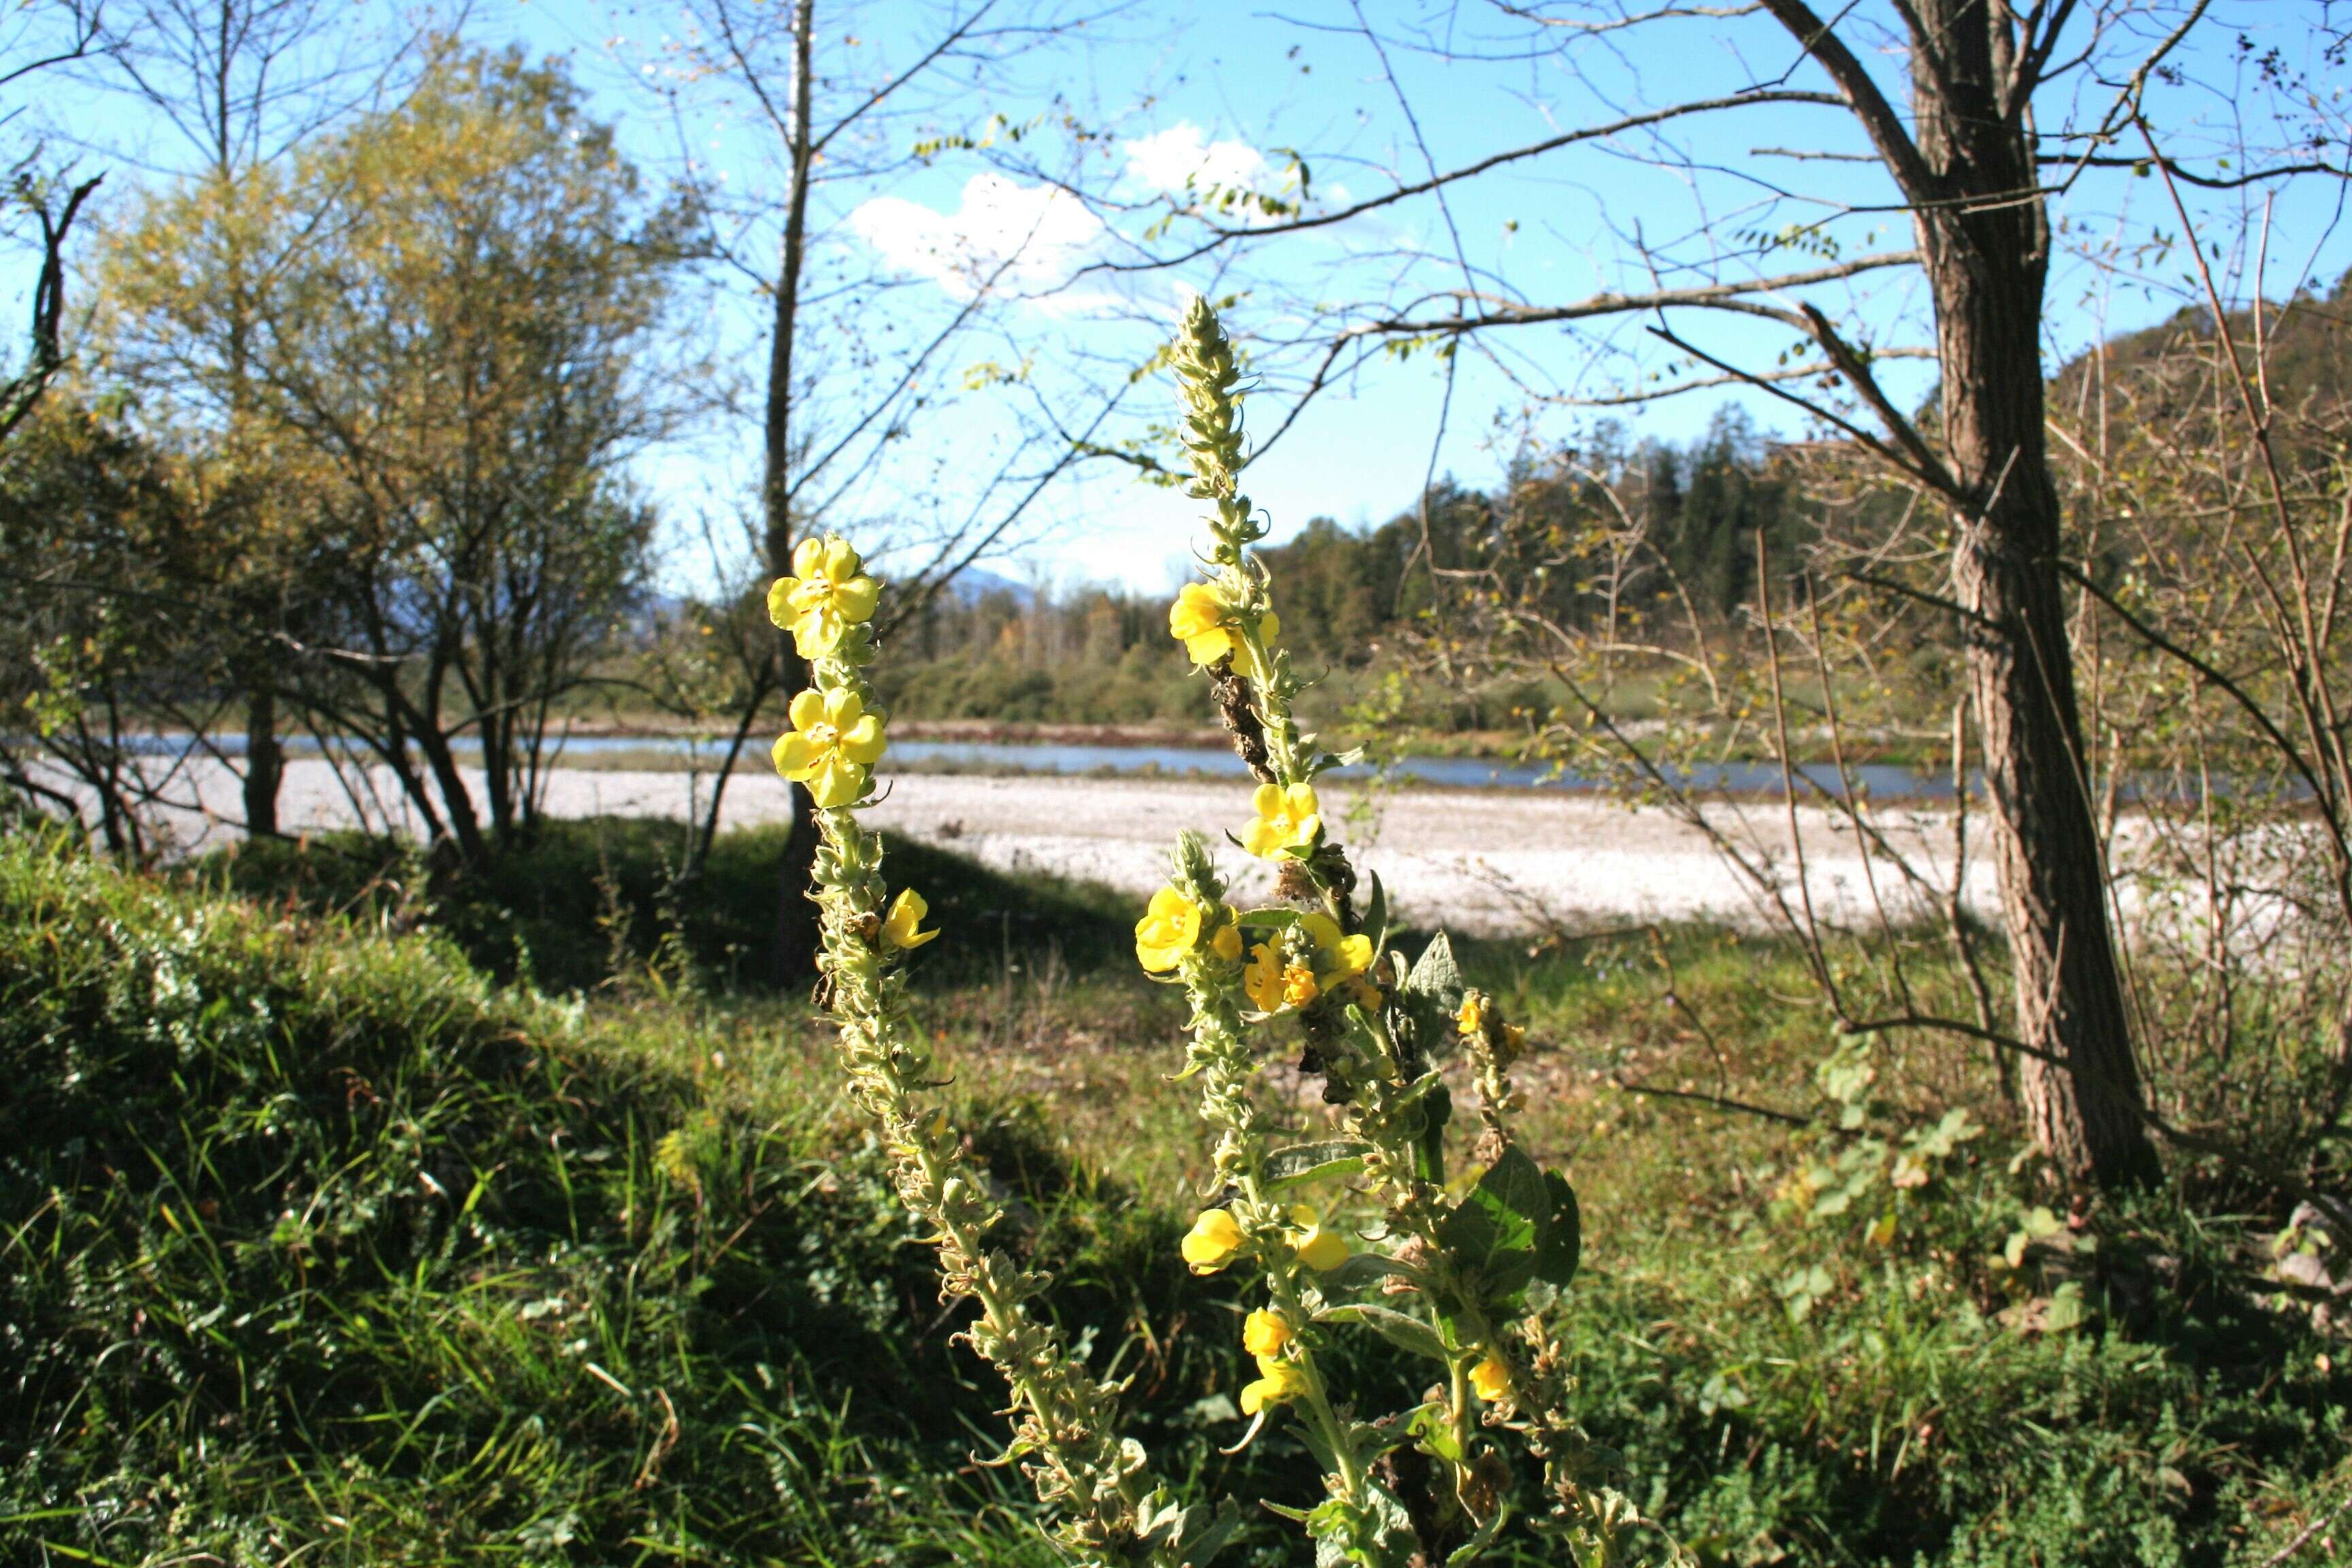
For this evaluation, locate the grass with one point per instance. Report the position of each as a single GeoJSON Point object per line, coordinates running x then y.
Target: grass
{"type": "Point", "coordinates": [353, 1218]}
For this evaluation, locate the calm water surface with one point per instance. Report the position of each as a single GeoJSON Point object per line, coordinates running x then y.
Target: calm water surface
{"type": "Point", "coordinates": [1879, 781]}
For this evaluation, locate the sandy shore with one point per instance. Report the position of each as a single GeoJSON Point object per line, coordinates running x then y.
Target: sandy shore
{"type": "Point", "coordinates": [1489, 860]}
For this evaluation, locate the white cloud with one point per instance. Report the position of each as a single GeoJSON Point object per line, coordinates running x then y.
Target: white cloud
{"type": "Point", "coordinates": [1183, 154]}
{"type": "Point", "coordinates": [1027, 239]}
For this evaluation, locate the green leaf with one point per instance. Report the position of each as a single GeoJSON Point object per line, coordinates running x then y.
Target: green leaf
{"type": "Point", "coordinates": [1267, 920]}
{"type": "Point", "coordinates": [1436, 975]}
{"type": "Point", "coordinates": [1562, 1242]}
{"type": "Point", "coordinates": [1434, 1427]}
{"type": "Point", "coordinates": [1365, 1268]}
{"type": "Point", "coordinates": [2067, 1308]}
{"type": "Point", "coordinates": [1376, 913]}
{"type": "Point", "coordinates": [1496, 1226]}
{"type": "Point", "coordinates": [1429, 998]}
{"type": "Point", "coordinates": [1308, 1162]}
{"type": "Point", "coordinates": [1407, 1334]}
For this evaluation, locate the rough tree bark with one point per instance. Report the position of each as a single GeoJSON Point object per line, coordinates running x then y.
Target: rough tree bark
{"type": "Point", "coordinates": [797, 926]}
{"type": "Point", "coordinates": [1968, 173]}
{"type": "Point", "coordinates": [265, 760]}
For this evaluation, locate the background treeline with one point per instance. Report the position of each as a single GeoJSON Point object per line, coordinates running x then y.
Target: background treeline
{"type": "Point", "coordinates": [1358, 602]}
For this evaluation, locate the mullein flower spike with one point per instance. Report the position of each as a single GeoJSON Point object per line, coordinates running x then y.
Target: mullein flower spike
{"type": "Point", "coordinates": [1452, 1286]}
{"type": "Point", "coordinates": [1114, 1514]}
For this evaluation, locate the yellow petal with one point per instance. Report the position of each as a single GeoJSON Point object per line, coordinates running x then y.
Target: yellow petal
{"type": "Point", "coordinates": [1355, 956]}
{"type": "Point", "coordinates": [780, 600]}
{"type": "Point", "coordinates": [792, 756]}
{"type": "Point", "coordinates": [856, 599]}
{"type": "Point", "coordinates": [1491, 1378]}
{"type": "Point", "coordinates": [808, 557]}
{"type": "Point", "coordinates": [1227, 943]}
{"type": "Point", "coordinates": [842, 707]}
{"type": "Point", "coordinates": [1264, 1334]}
{"type": "Point", "coordinates": [1212, 1242]}
{"type": "Point", "coordinates": [1323, 1250]}
{"type": "Point", "coordinates": [1199, 610]}
{"type": "Point", "coordinates": [817, 634]}
{"type": "Point", "coordinates": [901, 927]}
{"type": "Point", "coordinates": [841, 562]}
{"type": "Point", "coordinates": [1205, 649]}
{"type": "Point", "coordinates": [864, 742]}
{"type": "Point", "coordinates": [836, 781]}
{"type": "Point", "coordinates": [807, 708]}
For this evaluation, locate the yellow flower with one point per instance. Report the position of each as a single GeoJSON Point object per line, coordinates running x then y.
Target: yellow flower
{"type": "Point", "coordinates": [907, 912]}
{"type": "Point", "coordinates": [1208, 625]}
{"type": "Point", "coordinates": [1212, 1242]}
{"type": "Point", "coordinates": [1490, 1378]}
{"type": "Point", "coordinates": [1295, 972]}
{"type": "Point", "coordinates": [1271, 982]}
{"type": "Point", "coordinates": [1288, 819]}
{"type": "Point", "coordinates": [1171, 927]}
{"type": "Point", "coordinates": [1168, 929]}
{"type": "Point", "coordinates": [1265, 1332]}
{"type": "Point", "coordinates": [828, 594]}
{"type": "Point", "coordinates": [832, 742]}
{"type": "Point", "coordinates": [1473, 1015]}
{"type": "Point", "coordinates": [1320, 1249]}
{"type": "Point", "coordinates": [1281, 1381]}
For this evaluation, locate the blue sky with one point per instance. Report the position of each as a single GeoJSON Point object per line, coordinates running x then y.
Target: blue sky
{"type": "Point", "coordinates": [1215, 92]}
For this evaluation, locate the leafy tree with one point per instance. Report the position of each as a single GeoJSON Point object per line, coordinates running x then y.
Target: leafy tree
{"type": "Point", "coordinates": [449, 358]}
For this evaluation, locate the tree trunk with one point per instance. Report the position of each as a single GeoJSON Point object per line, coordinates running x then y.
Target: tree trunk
{"type": "Point", "coordinates": [265, 760]}
{"type": "Point", "coordinates": [1987, 258]}
{"type": "Point", "coordinates": [796, 925]}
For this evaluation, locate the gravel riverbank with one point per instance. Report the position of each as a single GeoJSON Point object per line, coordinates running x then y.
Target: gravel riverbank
{"type": "Point", "coordinates": [1496, 861]}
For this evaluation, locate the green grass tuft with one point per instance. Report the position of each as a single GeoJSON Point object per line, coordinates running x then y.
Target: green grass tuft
{"type": "Point", "coordinates": [323, 1241]}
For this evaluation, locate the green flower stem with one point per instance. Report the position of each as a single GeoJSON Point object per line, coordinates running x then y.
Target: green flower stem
{"type": "Point", "coordinates": [1067, 1418]}
{"type": "Point", "coordinates": [1209, 382]}
{"type": "Point", "coordinates": [1220, 1057]}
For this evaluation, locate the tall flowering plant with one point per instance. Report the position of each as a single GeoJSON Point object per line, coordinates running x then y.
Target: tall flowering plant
{"type": "Point", "coordinates": [1113, 1511]}
{"type": "Point", "coordinates": [1461, 1273]}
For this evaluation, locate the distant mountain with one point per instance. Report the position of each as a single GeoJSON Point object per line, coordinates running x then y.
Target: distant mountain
{"type": "Point", "coordinates": [976, 582]}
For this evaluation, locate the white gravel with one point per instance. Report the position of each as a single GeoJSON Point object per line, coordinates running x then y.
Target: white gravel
{"type": "Point", "coordinates": [1495, 861]}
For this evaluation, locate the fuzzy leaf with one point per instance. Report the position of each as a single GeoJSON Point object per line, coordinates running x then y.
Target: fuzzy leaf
{"type": "Point", "coordinates": [1562, 1242]}
{"type": "Point", "coordinates": [1407, 1334]}
{"type": "Point", "coordinates": [1376, 912]}
{"type": "Point", "coordinates": [1363, 1268]}
{"type": "Point", "coordinates": [1308, 1162]}
{"type": "Point", "coordinates": [1435, 974]}
{"type": "Point", "coordinates": [1498, 1224]}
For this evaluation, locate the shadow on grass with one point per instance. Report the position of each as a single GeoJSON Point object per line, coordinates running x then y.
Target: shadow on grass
{"type": "Point", "coordinates": [588, 901]}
